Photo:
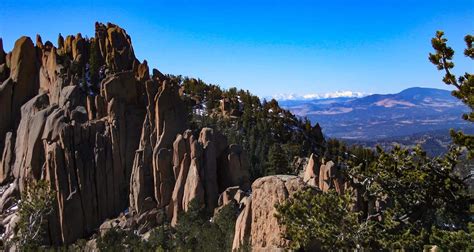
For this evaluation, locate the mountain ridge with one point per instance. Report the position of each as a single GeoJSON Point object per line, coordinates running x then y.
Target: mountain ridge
{"type": "Point", "coordinates": [413, 110]}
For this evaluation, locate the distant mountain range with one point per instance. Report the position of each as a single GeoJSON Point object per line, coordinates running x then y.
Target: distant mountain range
{"type": "Point", "coordinates": [383, 116]}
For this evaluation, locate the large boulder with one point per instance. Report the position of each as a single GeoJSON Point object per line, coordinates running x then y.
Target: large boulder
{"type": "Point", "coordinates": [265, 232]}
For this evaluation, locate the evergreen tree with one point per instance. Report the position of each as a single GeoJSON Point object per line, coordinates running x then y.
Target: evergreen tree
{"type": "Point", "coordinates": [442, 59]}
{"type": "Point", "coordinates": [277, 160]}
{"type": "Point", "coordinates": [323, 220]}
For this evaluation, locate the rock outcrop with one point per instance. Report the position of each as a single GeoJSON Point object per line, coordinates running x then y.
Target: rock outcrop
{"type": "Point", "coordinates": [20, 87]}
{"type": "Point", "coordinates": [311, 172]}
{"type": "Point", "coordinates": [54, 127]}
{"type": "Point", "coordinates": [256, 224]}
{"type": "Point", "coordinates": [173, 167]}
{"type": "Point", "coordinates": [112, 142]}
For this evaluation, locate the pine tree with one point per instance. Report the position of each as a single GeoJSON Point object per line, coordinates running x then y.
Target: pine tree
{"type": "Point", "coordinates": [277, 160]}
{"type": "Point", "coordinates": [442, 59]}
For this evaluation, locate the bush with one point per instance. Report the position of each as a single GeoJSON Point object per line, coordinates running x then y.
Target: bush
{"type": "Point", "coordinates": [116, 239]}
{"type": "Point", "coordinates": [196, 231]}
{"type": "Point", "coordinates": [312, 217]}
{"type": "Point", "coordinates": [35, 207]}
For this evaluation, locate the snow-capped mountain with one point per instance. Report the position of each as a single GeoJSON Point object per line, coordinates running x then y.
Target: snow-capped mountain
{"type": "Point", "coordinates": [316, 96]}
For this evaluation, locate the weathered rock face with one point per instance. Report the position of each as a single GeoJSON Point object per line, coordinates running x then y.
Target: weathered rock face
{"type": "Point", "coordinates": [55, 128]}
{"type": "Point", "coordinates": [186, 171]}
{"type": "Point", "coordinates": [115, 46]}
{"type": "Point", "coordinates": [24, 73]}
{"type": "Point", "coordinates": [21, 86]}
{"type": "Point", "coordinates": [172, 167]}
{"type": "Point", "coordinates": [257, 224]}
{"type": "Point", "coordinates": [120, 142]}
{"type": "Point", "coordinates": [169, 119]}
{"type": "Point", "coordinates": [311, 173]}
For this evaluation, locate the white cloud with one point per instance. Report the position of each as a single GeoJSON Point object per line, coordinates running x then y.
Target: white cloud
{"type": "Point", "coordinates": [315, 96]}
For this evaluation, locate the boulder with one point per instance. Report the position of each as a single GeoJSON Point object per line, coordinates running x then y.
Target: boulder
{"type": "Point", "coordinates": [259, 214]}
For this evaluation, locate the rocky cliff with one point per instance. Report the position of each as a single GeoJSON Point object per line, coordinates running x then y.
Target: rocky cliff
{"type": "Point", "coordinates": [113, 141]}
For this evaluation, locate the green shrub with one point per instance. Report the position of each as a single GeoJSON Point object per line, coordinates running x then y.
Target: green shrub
{"type": "Point", "coordinates": [35, 207]}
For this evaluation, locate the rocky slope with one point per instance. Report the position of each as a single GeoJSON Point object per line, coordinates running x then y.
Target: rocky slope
{"type": "Point", "coordinates": [113, 142]}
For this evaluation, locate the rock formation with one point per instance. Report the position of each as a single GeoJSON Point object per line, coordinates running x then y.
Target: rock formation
{"type": "Point", "coordinates": [53, 127]}
{"type": "Point", "coordinates": [311, 172]}
{"type": "Point", "coordinates": [257, 224]}
{"type": "Point", "coordinates": [113, 142]}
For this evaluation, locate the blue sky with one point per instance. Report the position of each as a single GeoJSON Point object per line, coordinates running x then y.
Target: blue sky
{"type": "Point", "coordinates": [268, 47]}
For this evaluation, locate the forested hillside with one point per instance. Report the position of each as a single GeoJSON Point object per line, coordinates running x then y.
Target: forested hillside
{"type": "Point", "coordinates": [272, 136]}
